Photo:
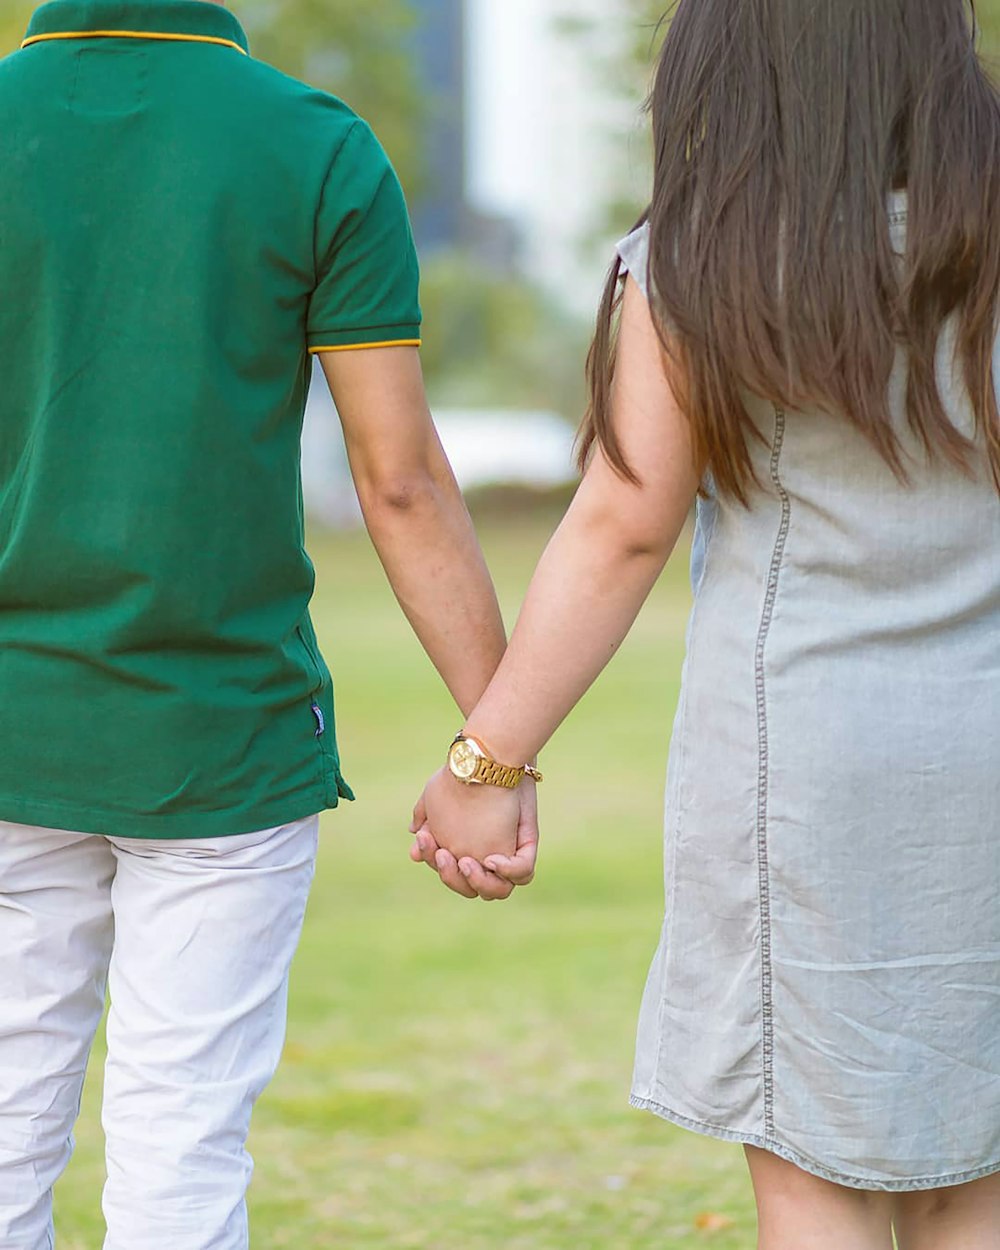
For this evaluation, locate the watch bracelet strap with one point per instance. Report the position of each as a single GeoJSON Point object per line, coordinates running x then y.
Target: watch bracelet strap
{"type": "Point", "coordinates": [490, 773]}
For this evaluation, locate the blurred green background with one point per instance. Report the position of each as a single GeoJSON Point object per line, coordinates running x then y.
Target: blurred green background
{"type": "Point", "coordinates": [456, 1075]}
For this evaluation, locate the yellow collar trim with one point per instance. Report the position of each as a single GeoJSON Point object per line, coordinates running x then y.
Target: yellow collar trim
{"type": "Point", "coordinates": [134, 34]}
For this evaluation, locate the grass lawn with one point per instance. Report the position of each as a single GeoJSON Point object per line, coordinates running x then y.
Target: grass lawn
{"type": "Point", "coordinates": [456, 1074]}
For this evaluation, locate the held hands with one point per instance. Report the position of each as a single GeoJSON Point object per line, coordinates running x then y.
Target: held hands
{"type": "Point", "coordinates": [481, 840]}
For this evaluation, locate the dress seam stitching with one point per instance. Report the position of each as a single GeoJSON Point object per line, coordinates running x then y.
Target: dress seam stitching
{"type": "Point", "coordinates": [763, 779]}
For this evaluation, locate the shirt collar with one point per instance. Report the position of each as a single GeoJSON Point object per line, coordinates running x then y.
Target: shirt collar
{"type": "Point", "coordinates": [184, 19]}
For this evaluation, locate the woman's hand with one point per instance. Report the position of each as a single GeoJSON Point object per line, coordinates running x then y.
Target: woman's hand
{"type": "Point", "coordinates": [458, 827]}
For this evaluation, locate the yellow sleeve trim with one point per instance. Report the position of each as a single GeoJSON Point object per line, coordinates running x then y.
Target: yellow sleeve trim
{"type": "Point", "coordinates": [358, 347]}
{"type": "Point", "coordinates": [134, 34]}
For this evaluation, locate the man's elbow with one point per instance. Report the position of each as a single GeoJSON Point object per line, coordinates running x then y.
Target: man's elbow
{"type": "Point", "coordinates": [399, 495]}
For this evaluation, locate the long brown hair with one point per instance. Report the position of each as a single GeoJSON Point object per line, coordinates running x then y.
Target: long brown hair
{"type": "Point", "coordinates": [780, 127]}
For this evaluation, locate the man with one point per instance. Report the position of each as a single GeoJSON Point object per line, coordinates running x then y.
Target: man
{"type": "Point", "coordinates": [180, 226]}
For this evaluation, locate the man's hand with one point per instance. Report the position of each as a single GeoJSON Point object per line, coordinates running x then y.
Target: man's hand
{"type": "Point", "coordinates": [481, 840]}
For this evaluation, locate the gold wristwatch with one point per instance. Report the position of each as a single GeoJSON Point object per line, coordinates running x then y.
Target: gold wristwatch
{"type": "Point", "coordinates": [471, 763]}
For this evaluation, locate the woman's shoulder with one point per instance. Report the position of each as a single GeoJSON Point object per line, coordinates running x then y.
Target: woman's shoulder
{"type": "Point", "coordinates": [633, 251]}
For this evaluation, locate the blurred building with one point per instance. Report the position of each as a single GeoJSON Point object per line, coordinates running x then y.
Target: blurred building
{"type": "Point", "coordinates": [443, 216]}
{"type": "Point", "coordinates": [529, 145]}
{"type": "Point", "coordinates": [530, 141]}
{"type": "Point", "coordinates": [554, 143]}
{"type": "Point", "coordinates": [440, 46]}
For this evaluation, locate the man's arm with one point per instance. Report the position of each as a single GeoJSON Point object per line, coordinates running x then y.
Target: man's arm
{"type": "Point", "coordinates": [423, 534]}
{"type": "Point", "coordinates": [416, 516]}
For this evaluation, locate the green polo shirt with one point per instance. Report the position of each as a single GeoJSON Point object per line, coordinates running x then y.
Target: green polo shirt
{"type": "Point", "coordinates": [180, 226]}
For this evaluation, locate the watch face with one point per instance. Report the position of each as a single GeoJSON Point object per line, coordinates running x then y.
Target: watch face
{"type": "Point", "coordinates": [463, 760]}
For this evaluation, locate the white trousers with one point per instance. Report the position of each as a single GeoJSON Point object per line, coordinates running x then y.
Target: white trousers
{"type": "Point", "coordinates": [194, 940]}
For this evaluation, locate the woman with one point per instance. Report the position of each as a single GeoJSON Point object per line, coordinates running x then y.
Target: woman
{"type": "Point", "coordinates": [808, 343]}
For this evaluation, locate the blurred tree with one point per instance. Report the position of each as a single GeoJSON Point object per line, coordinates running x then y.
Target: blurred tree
{"type": "Point", "coordinates": [495, 341]}
{"type": "Point", "coordinates": [988, 12]}
{"type": "Point", "coordinates": [13, 22]}
{"type": "Point", "coordinates": [360, 52]}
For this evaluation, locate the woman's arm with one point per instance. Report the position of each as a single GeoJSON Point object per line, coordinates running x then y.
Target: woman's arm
{"type": "Point", "coordinates": [589, 586]}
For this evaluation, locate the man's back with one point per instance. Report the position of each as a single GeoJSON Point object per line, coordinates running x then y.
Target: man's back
{"type": "Point", "coordinates": [179, 228]}
{"type": "Point", "coordinates": [178, 223]}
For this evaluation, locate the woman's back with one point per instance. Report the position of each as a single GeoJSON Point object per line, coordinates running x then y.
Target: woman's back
{"type": "Point", "coordinates": [825, 365]}
{"type": "Point", "coordinates": [827, 979]}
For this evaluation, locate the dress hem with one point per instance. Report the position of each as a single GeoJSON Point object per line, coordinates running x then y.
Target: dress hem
{"type": "Point", "coordinates": [809, 1165]}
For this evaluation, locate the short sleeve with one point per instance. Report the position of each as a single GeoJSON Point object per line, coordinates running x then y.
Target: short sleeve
{"type": "Point", "coordinates": [368, 278]}
{"type": "Point", "coordinates": [634, 253]}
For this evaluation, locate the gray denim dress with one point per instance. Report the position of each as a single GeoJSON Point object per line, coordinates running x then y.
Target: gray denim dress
{"type": "Point", "coordinates": [827, 984]}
